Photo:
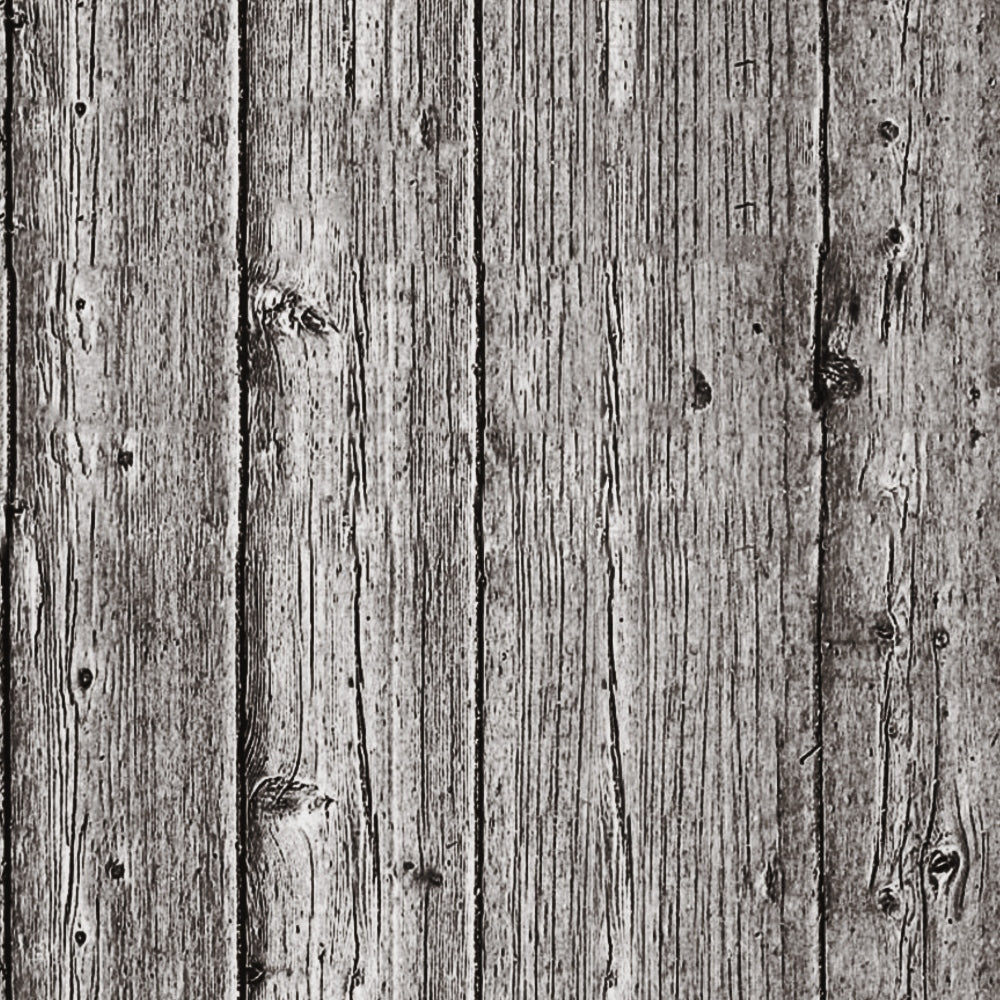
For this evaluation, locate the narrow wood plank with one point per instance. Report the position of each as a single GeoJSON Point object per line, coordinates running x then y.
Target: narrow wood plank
{"type": "Point", "coordinates": [912, 590]}
{"type": "Point", "coordinates": [6, 778]}
{"type": "Point", "coordinates": [122, 616]}
{"type": "Point", "coordinates": [552, 858]}
{"type": "Point", "coordinates": [653, 500]}
{"type": "Point", "coordinates": [360, 554]}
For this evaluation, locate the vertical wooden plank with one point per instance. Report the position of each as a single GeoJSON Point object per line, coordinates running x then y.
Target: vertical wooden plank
{"type": "Point", "coordinates": [714, 497]}
{"type": "Point", "coordinates": [7, 282]}
{"type": "Point", "coordinates": [653, 499]}
{"type": "Point", "coordinates": [124, 516]}
{"type": "Point", "coordinates": [552, 839]}
{"type": "Point", "coordinates": [359, 588]}
{"type": "Point", "coordinates": [912, 590]}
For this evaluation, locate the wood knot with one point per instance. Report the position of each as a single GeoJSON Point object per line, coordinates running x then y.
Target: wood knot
{"type": "Point", "coordinates": [115, 869]}
{"type": "Point", "coordinates": [839, 378]}
{"type": "Point", "coordinates": [281, 797]}
{"type": "Point", "coordinates": [702, 391]}
{"type": "Point", "coordinates": [887, 900]}
{"type": "Point", "coordinates": [942, 866]}
{"type": "Point", "coordinates": [430, 127]}
{"type": "Point", "coordinates": [884, 630]}
{"type": "Point", "coordinates": [941, 638]}
{"type": "Point", "coordinates": [772, 880]}
{"type": "Point", "coordinates": [895, 241]}
{"type": "Point", "coordinates": [889, 130]}
{"type": "Point", "coordinates": [428, 875]}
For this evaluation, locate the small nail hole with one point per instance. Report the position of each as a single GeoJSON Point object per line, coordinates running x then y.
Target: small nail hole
{"type": "Point", "coordinates": [80, 938]}
{"type": "Point", "coordinates": [85, 677]}
{"type": "Point", "coordinates": [125, 459]}
{"type": "Point", "coordinates": [80, 305]}
{"type": "Point", "coordinates": [941, 638]}
{"type": "Point", "coordinates": [895, 236]}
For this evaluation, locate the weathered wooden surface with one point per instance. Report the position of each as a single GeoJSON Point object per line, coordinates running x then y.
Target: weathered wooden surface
{"type": "Point", "coordinates": [654, 489]}
{"type": "Point", "coordinates": [910, 592]}
{"type": "Point", "coordinates": [673, 320]}
{"type": "Point", "coordinates": [121, 664]}
{"type": "Point", "coordinates": [359, 587]}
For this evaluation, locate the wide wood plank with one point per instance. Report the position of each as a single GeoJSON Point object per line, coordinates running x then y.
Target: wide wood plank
{"type": "Point", "coordinates": [653, 487]}
{"type": "Point", "coordinates": [912, 593]}
{"type": "Point", "coordinates": [359, 532]}
{"type": "Point", "coordinates": [122, 668]}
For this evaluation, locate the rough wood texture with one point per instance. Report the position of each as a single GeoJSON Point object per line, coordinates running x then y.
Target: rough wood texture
{"type": "Point", "coordinates": [122, 666]}
{"type": "Point", "coordinates": [608, 504]}
{"type": "Point", "coordinates": [653, 500]}
{"type": "Point", "coordinates": [359, 588]}
{"type": "Point", "coordinates": [910, 579]}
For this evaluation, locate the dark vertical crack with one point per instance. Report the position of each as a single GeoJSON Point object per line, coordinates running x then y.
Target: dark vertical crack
{"type": "Point", "coordinates": [617, 772]}
{"type": "Point", "coordinates": [350, 27]}
{"type": "Point", "coordinates": [932, 814]}
{"type": "Point", "coordinates": [613, 498]}
{"type": "Point", "coordinates": [359, 487]}
{"type": "Point", "coordinates": [819, 400]}
{"type": "Point", "coordinates": [242, 647]}
{"type": "Point", "coordinates": [478, 949]}
{"type": "Point", "coordinates": [10, 504]}
{"type": "Point", "coordinates": [887, 293]}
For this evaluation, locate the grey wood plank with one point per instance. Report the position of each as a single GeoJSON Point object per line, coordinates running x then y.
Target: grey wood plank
{"type": "Point", "coordinates": [653, 492]}
{"type": "Point", "coordinates": [360, 550]}
{"type": "Point", "coordinates": [6, 778]}
{"type": "Point", "coordinates": [912, 592]}
{"type": "Point", "coordinates": [122, 669]}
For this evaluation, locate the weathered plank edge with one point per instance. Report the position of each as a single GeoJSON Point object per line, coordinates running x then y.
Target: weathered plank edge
{"type": "Point", "coordinates": [11, 23]}
{"type": "Point", "coordinates": [243, 373]}
{"type": "Point", "coordinates": [478, 262]}
{"type": "Point", "coordinates": [820, 347]}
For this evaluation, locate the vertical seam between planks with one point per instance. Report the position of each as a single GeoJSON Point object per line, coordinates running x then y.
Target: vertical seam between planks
{"type": "Point", "coordinates": [243, 367]}
{"type": "Point", "coordinates": [478, 946]}
{"type": "Point", "coordinates": [820, 401]}
{"type": "Point", "coordinates": [10, 278]}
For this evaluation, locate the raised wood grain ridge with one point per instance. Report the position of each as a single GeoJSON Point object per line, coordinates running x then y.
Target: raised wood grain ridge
{"type": "Point", "coordinates": [500, 499]}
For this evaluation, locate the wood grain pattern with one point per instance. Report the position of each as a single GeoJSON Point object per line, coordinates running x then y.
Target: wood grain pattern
{"type": "Point", "coordinates": [911, 588]}
{"type": "Point", "coordinates": [653, 499]}
{"type": "Point", "coordinates": [552, 854]}
{"type": "Point", "coordinates": [500, 499]}
{"type": "Point", "coordinates": [360, 596]}
{"type": "Point", "coordinates": [122, 660]}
